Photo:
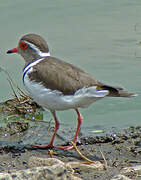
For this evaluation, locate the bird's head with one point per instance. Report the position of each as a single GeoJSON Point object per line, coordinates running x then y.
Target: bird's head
{"type": "Point", "coordinates": [31, 47]}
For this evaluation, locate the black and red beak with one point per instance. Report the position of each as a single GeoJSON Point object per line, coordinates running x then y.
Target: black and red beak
{"type": "Point", "coordinates": [14, 50]}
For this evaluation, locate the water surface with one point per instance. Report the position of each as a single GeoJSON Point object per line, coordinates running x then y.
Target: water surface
{"type": "Point", "coordinates": [98, 36]}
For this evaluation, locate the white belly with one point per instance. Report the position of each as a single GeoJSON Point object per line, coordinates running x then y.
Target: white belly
{"type": "Point", "coordinates": [55, 100]}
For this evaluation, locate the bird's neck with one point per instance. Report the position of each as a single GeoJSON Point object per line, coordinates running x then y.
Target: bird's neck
{"type": "Point", "coordinates": [34, 57]}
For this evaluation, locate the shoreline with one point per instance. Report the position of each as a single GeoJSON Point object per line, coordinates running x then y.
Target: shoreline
{"type": "Point", "coordinates": [115, 155]}
{"type": "Point", "coordinates": [111, 155]}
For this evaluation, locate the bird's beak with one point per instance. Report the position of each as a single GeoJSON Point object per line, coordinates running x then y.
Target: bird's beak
{"type": "Point", "coordinates": [14, 50]}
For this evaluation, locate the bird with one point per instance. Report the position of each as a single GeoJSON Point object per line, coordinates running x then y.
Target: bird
{"type": "Point", "coordinates": [57, 85]}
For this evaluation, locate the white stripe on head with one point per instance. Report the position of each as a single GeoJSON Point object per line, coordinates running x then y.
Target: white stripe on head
{"type": "Point", "coordinates": [40, 53]}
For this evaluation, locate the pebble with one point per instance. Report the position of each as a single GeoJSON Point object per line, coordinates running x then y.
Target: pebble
{"type": "Point", "coordinates": [42, 168]}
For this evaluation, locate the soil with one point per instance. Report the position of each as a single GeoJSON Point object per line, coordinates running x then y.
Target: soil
{"type": "Point", "coordinates": [19, 130]}
{"type": "Point", "coordinates": [118, 150]}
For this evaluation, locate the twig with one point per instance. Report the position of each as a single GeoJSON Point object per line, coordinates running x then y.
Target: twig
{"type": "Point", "coordinates": [11, 82]}
{"type": "Point", "coordinates": [106, 164]}
{"type": "Point", "coordinates": [13, 89]}
{"type": "Point", "coordinates": [22, 93]}
{"type": "Point", "coordinates": [81, 155]}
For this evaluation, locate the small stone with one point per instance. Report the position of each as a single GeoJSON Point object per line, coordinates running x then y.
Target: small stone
{"type": "Point", "coordinates": [37, 161]}
{"type": "Point", "coordinates": [120, 177]}
{"type": "Point", "coordinates": [57, 172]}
{"type": "Point", "coordinates": [85, 167]}
{"type": "Point", "coordinates": [5, 176]}
{"type": "Point", "coordinates": [132, 170]}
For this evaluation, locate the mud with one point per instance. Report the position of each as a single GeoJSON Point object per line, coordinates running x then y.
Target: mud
{"type": "Point", "coordinates": [115, 151]}
{"type": "Point", "coordinates": [19, 130]}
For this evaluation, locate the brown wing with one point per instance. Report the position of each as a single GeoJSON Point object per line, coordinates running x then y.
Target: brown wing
{"type": "Point", "coordinates": [59, 75]}
{"type": "Point", "coordinates": [62, 76]}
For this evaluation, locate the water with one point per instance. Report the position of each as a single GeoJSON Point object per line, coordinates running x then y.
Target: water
{"type": "Point", "coordinates": [101, 37]}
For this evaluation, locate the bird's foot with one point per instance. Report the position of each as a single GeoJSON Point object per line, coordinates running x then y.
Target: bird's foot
{"type": "Point", "coordinates": [65, 147]}
{"type": "Point", "coordinates": [69, 147]}
{"type": "Point", "coordinates": [50, 146]}
{"type": "Point", "coordinates": [44, 146]}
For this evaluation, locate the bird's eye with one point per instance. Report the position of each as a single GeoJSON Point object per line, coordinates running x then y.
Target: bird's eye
{"type": "Point", "coordinates": [23, 45]}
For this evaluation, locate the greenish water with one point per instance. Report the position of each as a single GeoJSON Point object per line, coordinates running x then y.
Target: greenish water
{"type": "Point", "coordinates": [101, 37]}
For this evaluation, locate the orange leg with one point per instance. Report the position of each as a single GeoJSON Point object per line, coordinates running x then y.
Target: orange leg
{"type": "Point", "coordinates": [80, 118]}
{"type": "Point", "coordinates": [50, 145]}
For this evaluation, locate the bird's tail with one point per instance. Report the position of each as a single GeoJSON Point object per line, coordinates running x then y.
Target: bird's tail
{"type": "Point", "coordinates": [116, 91]}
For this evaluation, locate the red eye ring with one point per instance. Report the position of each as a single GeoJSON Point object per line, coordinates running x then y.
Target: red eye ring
{"type": "Point", "coordinates": [23, 45]}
